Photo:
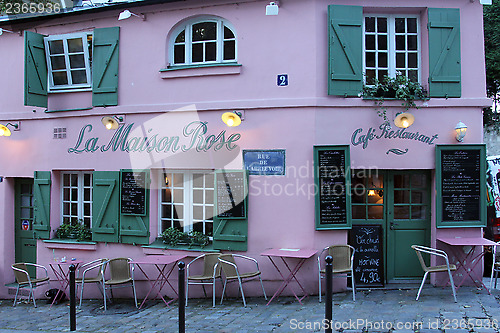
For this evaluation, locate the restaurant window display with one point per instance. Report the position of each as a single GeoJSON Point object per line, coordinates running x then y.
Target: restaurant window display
{"type": "Point", "coordinates": [76, 197]}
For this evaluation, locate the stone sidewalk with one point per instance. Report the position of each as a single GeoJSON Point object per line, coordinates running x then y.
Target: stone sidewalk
{"type": "Point", "coordinates": [388, 310]}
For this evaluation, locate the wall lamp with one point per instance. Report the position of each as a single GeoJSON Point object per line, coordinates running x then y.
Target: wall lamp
{"type": "Point", "coordinates": [112, 123]}
{"type": "Point", "coordinates": [404, 119]}
{"type": "Point", "coordinates": [273, 8]}
{"type": "Point", "coordinates": [233, 119]}
{"type": "Point", "coordinates": [5, 131]}
{"type": "Point", "coordinates": [127, 13]}
{"type": "Point", "coordinates": [5, 30]}
{"type": "Point", "coordinates": [461, 130]}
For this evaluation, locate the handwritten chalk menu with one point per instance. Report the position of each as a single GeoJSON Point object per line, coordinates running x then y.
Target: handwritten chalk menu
{"type": "Point", "coordinates": [461, 184]}
{"type": "Point", "coordinates": [368, 257]}
{"type": "Point", "coordinates": [231, 194]}
{"type": "Point", "coordinates": [133, 193]}
{"type": "Point", "coordinates": [332, 202]}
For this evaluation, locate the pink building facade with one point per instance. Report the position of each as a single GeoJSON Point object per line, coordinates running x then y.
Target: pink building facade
{"type": "Point", "coordinates": [168, 79]}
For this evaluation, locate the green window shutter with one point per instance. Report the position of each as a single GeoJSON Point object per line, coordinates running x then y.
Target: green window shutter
{"type": "Point", "coordinates": [105, 206]}
{"type": "Point", "coordinates": [105, 67]}
{"type": "Point", "coordinates": [231, 220]}
{"type": "Point", "coordinates": [35, 70]}
{"type": "Point", "coordinates": [444, 52]}
{"type": "Point", "coordinates": [134, 228]}
{"type": "Point", "coordinates": [41, 204]}
{"type": "Point", "coordinates": [345, 50]}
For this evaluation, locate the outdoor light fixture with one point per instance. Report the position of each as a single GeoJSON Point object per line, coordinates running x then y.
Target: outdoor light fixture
{"type": "Point", "coordinates": [112, 123]}
{"type": "Point", "coordinates": [404, 119]}
{"type": "Point", "coordinates": [5, 30]}
{"type": "Point", "coordinates": [232, 119]}
{"type": "Point", "coordinates": [5, 131]}
{"type": "Point", "coordinates": [273, 8]}
{"type": "Point", "coordinates": [461, 129]}
{"type": "Point", "coordinates": [127, 13]}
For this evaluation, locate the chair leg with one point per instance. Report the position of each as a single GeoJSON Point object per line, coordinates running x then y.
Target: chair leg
{"type": "Point", "coordinates": [81, 293]}
{"type": "Point", "coordinates": [242, 293]}
{"type": "Point", "coordinates": [204, 291]}
{"type": "Point", "coordinates": [33, 295]}
{"type": "Point", "coordinates": [421, 286]}
{"type": "Point", "coordinates": [319, 286]}
{"type": "Point", "coordinates": [496, 277]}
{"type": "Point", "coordinates": [353, 287]}
{"type": "Point", "coordinates": [213, 292]}
{"type": "Point", "coordinates": [262, 285]}
{"type": "Point", "coordinates": [187, 292]}
{"type": "Point", "coordinates": [452, 285]}
{"type": "Point", "coordinates": [105, 296]}
{"type": "Point", "coordinates": [15, 298]}
{"type": "Point", "coordinates": [223, 292]}
{"type": "Point", "coordinates": [135, 295]}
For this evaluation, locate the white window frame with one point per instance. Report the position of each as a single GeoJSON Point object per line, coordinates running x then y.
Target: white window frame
{"type": "Point", "coordinates": [188, 43]}
{"type": "Point", "coordinates": [391, 43]}
{"type": "Point", "coordinates": [88, 64]}
{"type": "Point", "coordinates": [80, 201]}
{"type": "Point", "coordinates": [188, 198]}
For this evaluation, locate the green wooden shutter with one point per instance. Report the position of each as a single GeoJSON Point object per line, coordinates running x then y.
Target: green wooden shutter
{"type": "Point", "coordinates": [35, 70]}
{"type": "Point", "coordinates": [345, 50]}
{"type": "Point", "coordinates": [134, 228]}
{"type": "Point", "coordinates": [41, 204]}
{"type": "Point", "coordinates": [105, 67]}
{"type": "Point", "coordinates": [444, 52]}
{"type": "Point", "coordinates": [231, 207]}
{"type": "Point", "coordinates": [105, 206]}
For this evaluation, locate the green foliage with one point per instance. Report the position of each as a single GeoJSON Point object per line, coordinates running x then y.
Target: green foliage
{"type": "Point", "coordinates": [74, 230]}
{"type": "Point", "coordinates": [399, 88]}
{"type": "Point", "coordinates": [173, 237]}
{"type": "Point", "coordinates": [492, 57]}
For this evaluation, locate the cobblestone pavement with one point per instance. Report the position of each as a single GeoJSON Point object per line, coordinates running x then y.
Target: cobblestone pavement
{"type": "Point", "coordinates": [374, 310]}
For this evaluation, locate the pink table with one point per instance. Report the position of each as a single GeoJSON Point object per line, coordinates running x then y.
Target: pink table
{"type": "Point", "coordinates": [160, 262]}
{"type": "Point", "coordinates": [471, 259]}
{"type": "Point", "coordinates": [61, 272]}
{"type": "Point", "coordinates": [298, 255]}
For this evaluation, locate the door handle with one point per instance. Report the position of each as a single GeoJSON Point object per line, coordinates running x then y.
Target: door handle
{"type": "Point", "coordinates": [392, 226]}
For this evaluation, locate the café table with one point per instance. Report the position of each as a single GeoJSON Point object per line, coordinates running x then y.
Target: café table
{"type": "Point", "coordinates": [464, 249]}
{"type": "Point", "coordinates": [287, 256]}
{"type": "Point", "coordinates": [160, 262]}
{"type": "Point", "coordinates": [61, 273]}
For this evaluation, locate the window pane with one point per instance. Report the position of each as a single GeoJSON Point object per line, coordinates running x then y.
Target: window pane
{"type": "Point", "coordinates": [228, 33]}
{"type": "Point", "coordinates": [181, 38]}
{"type": "Point", "coordinates": [74, 194]}
{"type": "Point", "coordinates": [358, 212]}
{"type": "Point", "coordinates": [401, 181]}
{"type": "Point", "coordinates": [382, 24]}
{"type": "Point", "coordinates": [166, 211]}
{"type": "Point", "coordinates": [197, 53]}
{"type": "Point", "coordinates": [210, 51]}
{"type": "Point", "coordinates": [66, 180]}
{"type": "Point", "coordinates": [370, 24]}
{"type": "Point", "coordinates": [400, 25]}
{"type": "Point", "coordinates": [400, 43]}
{"type": "Point", "coordinates": [209, 197]}
{"type": "Point", "coordinates": [382, 42]}
{"type": "Point", "coordinates": [75, 45]}
{"type": "Point", "coordinates": [66, 194]}
{"type": "Point", "coordinates": [370, 76]}
{"type": "Point", "coordinates": [179, 54]}
{"type": "Point", "coordinates": [375, 212]}
{"type": "Point", "coordinates": [178, 179]}
{"type": "Point", "coordinates": [87, 209]}
{"type": "Point", "coordinates": [60, 78]}
{"type": "Point", "coordinates": [412, 60]}
{"type": "Point", "coordinates": [418, 196]}
{"type": "Point", "coordinates": [86, 195]}
{"type": "Point", "coordinates": [382, 74]}
{"type": "Point", "coordinates": [198, 212]}
{"type": "Point", "coordinates": [382, 60]}
{"type": "Point", "coordinates": [58, 62]}
{"type": "Point", "coordinates": [370, 59]}
{"type": "Point", "coordinates": [77, 61]}
{"type": "Point", "coordinates": [411, 25]}
{"type": "Point", "coordinates": [402, 212]}
{"type": "Point", "coordinates": [56, 47]}
{"type": "Point", "coordinates": [400, 60]}
{"type": "Point", "coordinates": [209, 229]}
{"type": "Point", "coordinates": [204, 31]}
{"type": "Point", "coordinates": [198, 196]}
{"type": "Point", "coordinates": [179, 195]}
{"type": "Point", "coordinates": [229, 50]}
{"type": "Point", "coordinates": [418, 180]}
{"type": "Point", "coordinates": [166, 196]}
{"type": "Point", "coordinates": [209, 180]}
{"type": "Point", "coordinates": [179, 211]}
{"type": "Point", "coordinates": [74, 180]}
{"type": "Point", "coordinates": [370, 42]}
{"type": "Point", "coordinates": [402, 196]}
{"type": "Point", "coordinates": [198, 226]}
{"type": "Point", "coordinates": [65, 209]}
{"type": "Point", "coordinates": [209, 212]}
{"type": "Point", "coordinates": [412, 42]}
{"type": "Point", "coordinates": [413, 76]}
{"type": "Point", "coordinates": [78, 77]}
{"type": "Point", "coordinates": [418, 212]}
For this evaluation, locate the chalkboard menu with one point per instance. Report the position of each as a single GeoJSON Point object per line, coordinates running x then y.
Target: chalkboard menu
{"type": "Point", "coordinates": [133, 193]}
{"type": "Point", "coordinates": [331, 175]}
{"type": "Point", "coordinates": [461, 185]}
{"type": "Point", "coordinates": [368, 258]}
{"type": "Point", "coordinates": [231, 194]}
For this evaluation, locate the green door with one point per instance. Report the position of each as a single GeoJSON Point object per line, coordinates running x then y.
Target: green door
{"type": "Point", "coordinates": [399, 201]}
{"type": "Point", "coordinates": [23, 221]}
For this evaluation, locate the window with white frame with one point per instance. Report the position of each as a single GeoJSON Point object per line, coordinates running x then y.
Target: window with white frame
{"type": "Point", "coordinates": [69, 59]}
{"type": "Point", "coordinates": [391, 46]}
{"type": "Point", "coordinates": [76, 197]}
{"type": "Point", "coordinates": [187, 201]}
{"type": "Point", "coordinates": [203, 41]}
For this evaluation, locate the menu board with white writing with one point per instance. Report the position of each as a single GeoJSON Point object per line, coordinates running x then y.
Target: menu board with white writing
{"type": "Point", "coordinates": [231, 194]}
{"type": "Point", "coordinates": [368, 255]}
{"type": "Point", "coordinates": [133, 193]}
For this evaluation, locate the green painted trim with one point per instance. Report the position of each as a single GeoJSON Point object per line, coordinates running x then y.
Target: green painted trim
{"type": "Point", "coordinates": [482, 187]}
{"type": "Point", "coordinates": [347, 172]}
{"type": "Point", "coordinates": [67, 241]}
{"type": "Point", "coordinates": [158, 244]}
{"type": "Point", "coordinates": [175, 68]}
{"type": "Point", "coordinates": [64, 110]}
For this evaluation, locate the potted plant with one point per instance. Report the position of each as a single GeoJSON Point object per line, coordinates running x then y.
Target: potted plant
{"type": "Point", "coordinates": [76, 229]}
{"type": "Point", "coordinates": [173, 237]}
{"type": "Point", "coordinates": [197, 238]}
{"type": "Point", "coordinates": [398, 88]}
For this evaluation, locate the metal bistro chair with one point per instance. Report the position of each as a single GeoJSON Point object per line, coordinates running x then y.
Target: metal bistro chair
{"type": "Point", "coordinates": [23, 279]}
{"type": "Point", "coordinates": [419, 249]}
{"type": "Point", "coordinates": [232, 273]}
{"type": "Point", "coordinates": [211, 271]}
{"type": "Point", "coordinates": [495, 266]}
{"type": "Point", "coordinates": [121, 273]}
{"type": "Point", "coordinates": [91, 273]}
{"type": "Point", "coordinates": [342, 265]}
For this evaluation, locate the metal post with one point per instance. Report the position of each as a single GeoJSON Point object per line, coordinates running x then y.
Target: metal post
{"type": "Point", "coordinates": [182, 298]}
{"type": "Point", "coordinates": [328, 295]}
{"type": "Point", "coordinates": [72, 298]}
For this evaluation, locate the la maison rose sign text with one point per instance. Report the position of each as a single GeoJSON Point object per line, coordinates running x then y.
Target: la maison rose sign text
{"type": "Point", "coordinates": [193, 137]}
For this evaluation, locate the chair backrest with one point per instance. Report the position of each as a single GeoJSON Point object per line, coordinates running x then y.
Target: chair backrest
{"type": "Point", "coordinates": [98, 265]}
{"type": "Point", "coordinates": [209, 262]}
{"type": "Point", "coordinates": [21, 277]}
{"type": "Point", "coordinates": [229, 270]}
{"type": "Point", "coordinates": [119, 268]}
{"type": "Point", "coordinates": [342, 256]}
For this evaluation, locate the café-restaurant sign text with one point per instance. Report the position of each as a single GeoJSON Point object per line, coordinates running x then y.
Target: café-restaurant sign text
{"type": "Point", "coordinates": [193, 137]}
